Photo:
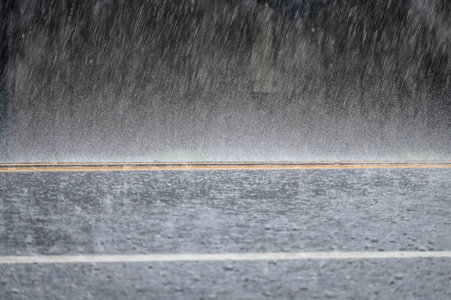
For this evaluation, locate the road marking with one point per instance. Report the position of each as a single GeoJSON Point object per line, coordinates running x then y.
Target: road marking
{"type": "Point", "coordinates": [58, 259]}
{"type": "Point", "coordinates": [87, 167]}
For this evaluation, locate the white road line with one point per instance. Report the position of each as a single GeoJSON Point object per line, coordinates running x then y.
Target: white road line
{"type": "Point", "coordinates": [57, 259]}
{"type": "Point", "coordinates": [98, 167]}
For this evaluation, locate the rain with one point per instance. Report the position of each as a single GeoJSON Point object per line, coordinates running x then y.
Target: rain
{"type": "Point", "coordinates": [185, 80]}
{"type": "Point", "coordinates": [231, 149]}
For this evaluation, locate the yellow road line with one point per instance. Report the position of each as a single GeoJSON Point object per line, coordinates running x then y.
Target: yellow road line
{"type": "Point", "coordinates": [227, 163]}
{"type": "Point", "coordinates": [86, 167]}
{"type": "Point", "coordinates": [54, 259]}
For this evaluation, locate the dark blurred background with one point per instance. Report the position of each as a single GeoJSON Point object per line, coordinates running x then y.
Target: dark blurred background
{"type": "Point", "coordinates": [113, 80]}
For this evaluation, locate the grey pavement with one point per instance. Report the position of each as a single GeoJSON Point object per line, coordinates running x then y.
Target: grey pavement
{"type": "Point", "coordinates": [156, 212]}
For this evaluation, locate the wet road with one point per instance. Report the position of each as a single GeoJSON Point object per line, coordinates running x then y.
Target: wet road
{"type": "Point", "coordinates": [227, 211]}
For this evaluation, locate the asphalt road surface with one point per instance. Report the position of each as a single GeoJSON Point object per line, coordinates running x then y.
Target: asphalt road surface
{"type": "Point", "coordinates": [149, 234]}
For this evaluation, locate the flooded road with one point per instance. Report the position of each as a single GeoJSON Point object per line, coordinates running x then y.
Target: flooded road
{"type": "Point", "coordinates": [202, 212]}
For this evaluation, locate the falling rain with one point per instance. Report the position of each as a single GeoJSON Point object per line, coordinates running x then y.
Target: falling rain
{"type": "Point", "coordinates": [101, 80]}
